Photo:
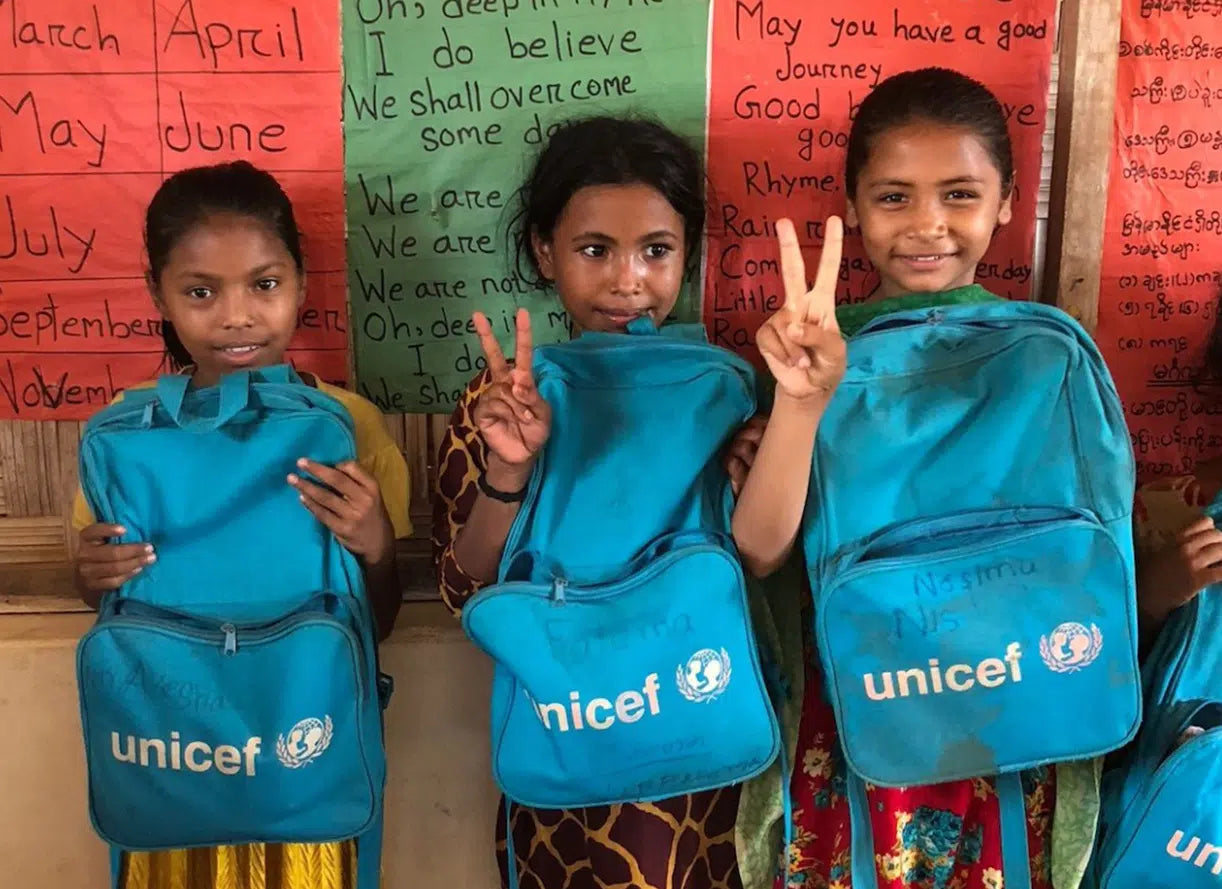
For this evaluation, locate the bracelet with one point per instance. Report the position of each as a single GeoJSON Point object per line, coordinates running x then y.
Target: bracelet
{"type": "Point", "coordinates": [499, 495]}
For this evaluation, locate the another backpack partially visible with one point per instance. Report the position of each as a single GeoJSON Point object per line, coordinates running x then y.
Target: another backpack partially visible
{"type": "Point", "coordinates": [968, 537]}
{"type": "Point", "coordinates": [626, 667]}
{"type": "Point", "coordinates": [1161, 814]}
{"type": "Point", "coordinates": [230, 692]}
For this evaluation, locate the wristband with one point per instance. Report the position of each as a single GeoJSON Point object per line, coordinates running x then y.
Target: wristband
{"type": "Point", "coordinates": [499, 495]}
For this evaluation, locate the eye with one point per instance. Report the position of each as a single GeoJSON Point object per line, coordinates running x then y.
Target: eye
{"type": "Point", "coordinates": [199, 292]}
{"type": "Point", "coordinates": [594, 251]}
{"type": "Point", "coordinates": [267, 284]}
{"type": "Point", "coordinates": [892, 197]}
{"type": "Point", "coordinates": [961, 194]}
{"type": "Point", "coordinates": [659, 251]}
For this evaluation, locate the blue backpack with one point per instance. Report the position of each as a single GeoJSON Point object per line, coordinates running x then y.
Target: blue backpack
{"type": "Point", "coordinates": [1161, 817]}
{"type": "Point", "coordinates": [230, 692]}
{"type": "Point", "coordinates": [969, 542]}
{"type": "Point", "coordinates": [626, 667]}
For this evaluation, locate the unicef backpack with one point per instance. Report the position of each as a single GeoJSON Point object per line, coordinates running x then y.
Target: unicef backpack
{"type": "Point", "coordinates": [968, 537]}
{"type": "Point", "coordinates": [229, 692]}
{"type": "Point", "coordinates": [626, 667]}
{"type": "Point", "coordinates": [1161, 815]}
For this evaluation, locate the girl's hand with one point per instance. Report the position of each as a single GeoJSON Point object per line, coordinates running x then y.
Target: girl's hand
{"type": "Point", "coordinates": [1168, 579]}
{"type": "Point", "coordinates": [352, 510]}
{"type": "Point", "coordinates": [511, 415]}
{"type": "Point", "coordinates": [801, 343]}
{"type": "Point", "coordinates": [102, 566]}
{"type": "Point", "coordinates": [740, 455]}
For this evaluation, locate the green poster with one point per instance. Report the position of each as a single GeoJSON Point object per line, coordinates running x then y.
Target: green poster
{"type": "Point", "coordinates": [445, 104]}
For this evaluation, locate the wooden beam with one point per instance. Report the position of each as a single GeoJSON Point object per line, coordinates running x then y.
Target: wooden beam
{"type": "Point", "coordinates": [1089, 47]}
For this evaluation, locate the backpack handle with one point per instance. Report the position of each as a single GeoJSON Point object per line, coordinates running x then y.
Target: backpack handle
{"type": "Point", "coordinates": [234, 394]}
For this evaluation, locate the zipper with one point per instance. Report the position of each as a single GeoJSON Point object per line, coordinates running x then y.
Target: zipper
{"type": "Point", "coordinates": [225, 635]}
{"type": "Point", "coordinates": [559, 588]}
{"type": "Point", "coordinates": [862, 564]}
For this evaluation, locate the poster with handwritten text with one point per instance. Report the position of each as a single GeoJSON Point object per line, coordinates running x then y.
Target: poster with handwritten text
{"type": "Point", "coordinates": [797, 71]}
{"type": "Point", "coordinates": [98, 103]}
{"type": "Point", "coordinates": [1162, 260]}
{"type": "Point", "coordinates": [445, 104]}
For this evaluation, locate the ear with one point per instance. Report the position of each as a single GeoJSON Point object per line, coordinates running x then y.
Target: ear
{"type": "Point", "coordinates": [1006, 211]}
{"type": "Point", "coordinates": [543, 255]}
{"type": "Point", "coordinates": [850, 214]}
{"type": "Point", "coordinates": [155, 293]}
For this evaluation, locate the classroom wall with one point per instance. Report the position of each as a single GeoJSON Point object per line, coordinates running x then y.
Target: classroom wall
{"type": "Point", "coordinates": [440, 805]}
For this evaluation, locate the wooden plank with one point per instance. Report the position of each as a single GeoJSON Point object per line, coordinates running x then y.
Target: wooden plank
{"type": "Point", "coordinates": [1089, 48]}
{"type": "Point", "coordinates": [11, 469]}
{"type": "Point", "coordinates": [32, 540]}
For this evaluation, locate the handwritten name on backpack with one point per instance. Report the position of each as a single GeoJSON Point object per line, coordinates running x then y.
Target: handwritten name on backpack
{"type": "Point", "coordinates": [1208, 850]}
{"type": "Point", "coordinates": [600, 713]}
{"type": "Point", "coordinates": [936, 679]}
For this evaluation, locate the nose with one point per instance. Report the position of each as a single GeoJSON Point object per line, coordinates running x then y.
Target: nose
{"type": "Point", "coordinates": [236, 309]}
{"type": "Point", "coordinates": [630, 271]}
{"type": "Point", "coordinates": [928, 220]}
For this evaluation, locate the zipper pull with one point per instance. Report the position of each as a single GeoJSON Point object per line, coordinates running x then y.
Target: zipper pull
{"type": "Point", "coordinates": [231, 638]}
{"type": "Point", "coordinates": [935, 317]}
{"type": "Point", "coordinates": [559, 585]}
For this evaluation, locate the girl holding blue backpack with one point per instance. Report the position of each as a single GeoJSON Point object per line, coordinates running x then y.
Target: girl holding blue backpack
{"type": "Point", "coordinates": [611, 216]}
{"type": "Point", "coordinates": [929, 179]}
{"type": "Point", "coordinates": [226, 273]}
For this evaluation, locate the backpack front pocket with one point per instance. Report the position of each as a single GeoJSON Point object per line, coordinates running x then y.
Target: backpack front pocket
{"type": "Point", "coordinates": [202, 733]}
{"type": "Point", "coordinates": [979, 642]}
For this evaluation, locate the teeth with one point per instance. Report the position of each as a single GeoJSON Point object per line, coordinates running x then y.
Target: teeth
{"type": "Point", "coordinates": [240, 350]}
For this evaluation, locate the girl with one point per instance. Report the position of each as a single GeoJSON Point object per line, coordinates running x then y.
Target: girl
{"type": "Point", "coordinates": [610, 216]}
{"type": "Point", "coordinates": [227, 275]}
{"type": "Point", "coordinates": [928, 177]}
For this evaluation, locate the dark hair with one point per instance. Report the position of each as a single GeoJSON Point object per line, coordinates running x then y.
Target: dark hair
{"type": "Point", "coordinates": [934, 95]}
{"type": "Point", "coordinates": [607, 151]}
{"type": "Point", "coordinates": [190, 198]}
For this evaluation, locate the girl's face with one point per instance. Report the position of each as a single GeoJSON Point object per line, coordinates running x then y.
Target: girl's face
{"type": "Point", "coordinates": [616, 253]}
{"type": "Point", "coordinates": [232, 290]}
{"type": "Point", "coordinates": [928, 201]}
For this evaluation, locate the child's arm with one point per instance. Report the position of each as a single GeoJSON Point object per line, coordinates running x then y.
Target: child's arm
{"type": "Point", "coordinates": [353, 511]}
{"type": "Point", "coordinates": [514, 422]}
{"type": "Point", "coordinates": [805, 352]}
{"type": "Point", "coordinates": [1170, 578]}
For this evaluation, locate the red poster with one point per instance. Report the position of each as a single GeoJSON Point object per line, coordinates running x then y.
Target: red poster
{"type": "Point", "coordinates": [97, 105]}
{"type": "Point", "coordinates": [787, 77]}
{"type": "Point", "coordinates": [1162, 260]}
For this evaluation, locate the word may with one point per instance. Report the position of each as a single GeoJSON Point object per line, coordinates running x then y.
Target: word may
{"type": "Point", "coordinates": [989, 673]}
{"type": "Point", "coordinates": [629, 707]}
{"type": "Point", "coordinates": [62, 133]}
{"type": "Point", "coordinates": [227, 759]}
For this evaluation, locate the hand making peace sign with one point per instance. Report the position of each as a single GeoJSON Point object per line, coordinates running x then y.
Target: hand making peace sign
{"type": "Point", "coordinates": [801, 343]}
{"type": "Point", "coordinates": [511, 415]}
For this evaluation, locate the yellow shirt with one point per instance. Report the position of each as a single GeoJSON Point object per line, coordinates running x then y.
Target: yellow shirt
{"type": "Point", "coordinates": [376, 452]}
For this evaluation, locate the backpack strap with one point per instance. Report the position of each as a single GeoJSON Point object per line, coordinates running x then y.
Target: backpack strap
{"type": "Point", "coordinates": [234, 394]}
{"type": "Point", "coordinates": [861, 833]}
{"type": "Point", "coordinates": [1015, 860]}
{"type": "Point", "coordinates": [116, 867]}
{"type": "Point", "coordinates": [511, 861]}
{"type": "Point", "coordinates": [369, 855]}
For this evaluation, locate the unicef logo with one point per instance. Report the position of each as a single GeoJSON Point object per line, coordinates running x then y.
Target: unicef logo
{"type": "Point", "coordinates": [1070, 647]}
{"type": "Point", "coordinates": [305, 742]}
{"type": "Point", "coordinates": [704, 676]}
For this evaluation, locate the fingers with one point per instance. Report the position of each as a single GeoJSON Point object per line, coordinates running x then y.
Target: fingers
{"type": "Point", "coordinates": [101, 533]}
{"type": "Point", "coordinates": [737, 470]}
{"type": "Point", "coordinates": [1206, 556]}
{"type": "Point", "coordinates": [793, 269]}
{"type": "Point", "coordinates": [1200, 526]}
{"type": "Point", "coordinates": [524, 351]}
{"type": "Point", "coordinates": [498, 367]}
{"type": "Point", "coordinates": [821, 302]}
{"type": "Point", "coordinates": [780, 348]}
{"type": "Point", "coordinates": [500, 397]}
{"type": "Point", "coordinates": [349, 498]}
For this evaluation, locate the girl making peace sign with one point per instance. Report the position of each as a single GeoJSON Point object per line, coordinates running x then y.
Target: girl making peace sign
{"type": "Point", "coordinates": [611, 217]}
